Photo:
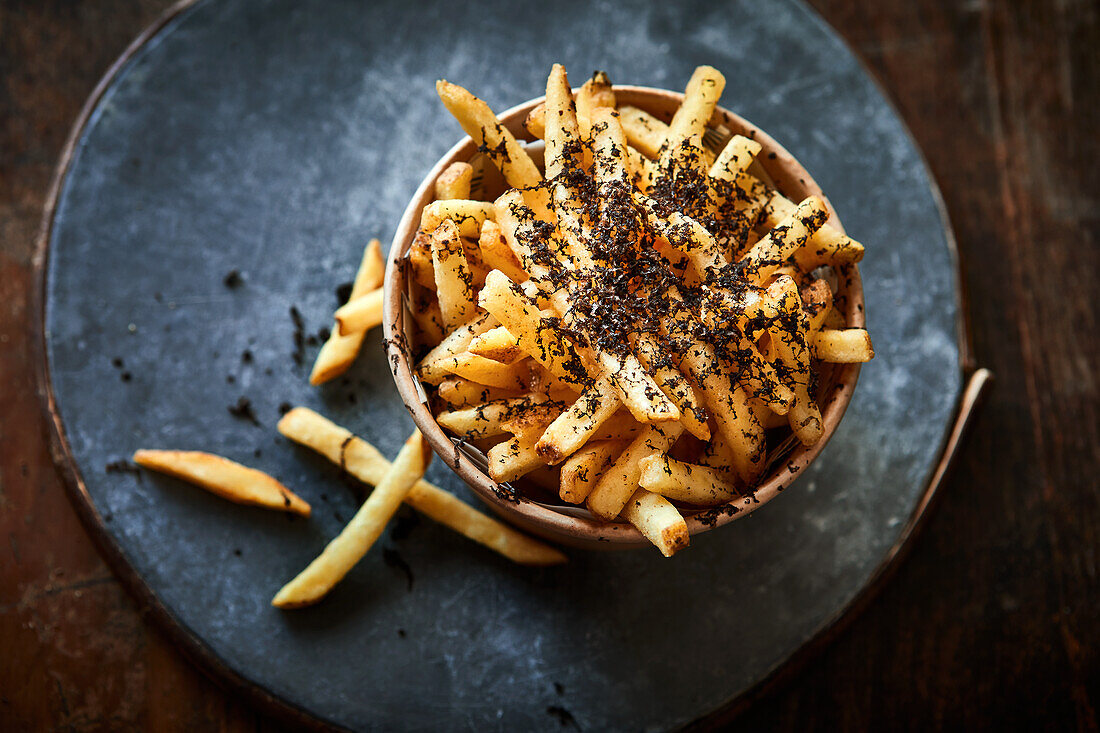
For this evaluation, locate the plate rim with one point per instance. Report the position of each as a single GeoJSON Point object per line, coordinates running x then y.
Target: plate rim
{"type": "Point", "coordinates": [209, 662]}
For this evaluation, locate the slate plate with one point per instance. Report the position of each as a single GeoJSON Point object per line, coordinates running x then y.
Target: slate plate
{"type": "Point", "coordinates": [273, 138]}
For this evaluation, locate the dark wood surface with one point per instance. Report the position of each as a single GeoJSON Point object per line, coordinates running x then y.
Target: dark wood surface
{"type": "Point", "coordinates": [992, 622]}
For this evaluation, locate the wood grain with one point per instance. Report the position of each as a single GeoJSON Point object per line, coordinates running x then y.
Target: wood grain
{"type": "Point", "coordinates": [994, 620]}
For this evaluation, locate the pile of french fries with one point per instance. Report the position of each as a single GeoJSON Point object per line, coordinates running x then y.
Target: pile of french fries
{"type": "Point", "coordinates": [635, 315]}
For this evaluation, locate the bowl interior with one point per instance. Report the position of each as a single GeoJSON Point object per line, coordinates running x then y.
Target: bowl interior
{"type": "Point", "coordinates": [574, 525]}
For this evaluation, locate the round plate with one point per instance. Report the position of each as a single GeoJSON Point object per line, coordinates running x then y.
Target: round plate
{"type": "Point", "coordinates": [271, 140]}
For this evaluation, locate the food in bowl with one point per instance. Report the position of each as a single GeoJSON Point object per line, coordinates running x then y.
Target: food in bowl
{"type": "Point", "coordinates": [641, 324]}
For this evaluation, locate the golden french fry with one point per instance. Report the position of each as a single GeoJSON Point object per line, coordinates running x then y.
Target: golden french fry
{"type": "Point", "coordinates": [497, 255]}
{"type": "Point", "coordinates": [454, 284]}
{"type": "Point", "coordinates": [788, 339]}
{"type": "Point", "coordinates": [511, 459]}
{"type": "Point", "coordinates": [673, 383]}
{"type": "Point", "coordinates": [353, 542]}
{"type": "Point", "coordinates": [658, 520]}
{"type": "Point", "coordinates": [361, 314]}
{"type": "Point", "coordinates": [363, 461]}
{"type": "Point", "coordinates": [454, 182]}
{"type": "Point", "coordinates": [481, 124]}
{"type": "Point", "coordinates": [457, 392]}
{"type": "Point", "coordinates": [643, 131]}
{"type": "Point", "coordinates": [581, 471]}
{"type": "Point", "coordinates": [691, 484]}
{"type": "Point", "coordinates": [595, 92]}
{"type": "Point", "coordinates": [826, 246]}
{"type": "Point", "coordinates": [425, 312]}
{"type": "Point", "coordinates": [577, 424]}
{"type": "Point", "coordinates": [228, 479]}
{"type": "Point", "coordinates": [497, 344]}
{"type": "Point", "coordinates": [685, 132]}
{"type": "Point", "coordinates": [843, 346]}
{"type": "Point", "coordinates": [620, 480]}
{"type": "Point", "coordinates": [468, 216]}
{"type": "Point", "coordinates": [534, 334]}
{"type": "Point", "coordinates": [338, 352]}
{"type": "Point", "coordinates": [486, 371]}
{"type": "Point", "coordinates": [817, 300]}
{"type": "Point", "coordinates": [486, 420]}
{"type": "Point", "coordinates": [535, 122]}
{"type": "Point", "coordinates": [431, 369]}
{"type": "Point", "coordinates": [785, 238]}
{"type": "Point", "coordinates": [735, 158]}
{"type": "Point", "coordinates": [419, 257]}
{"type": "Point", "coordinates": [610, 146]}
{"type": "Point", "coordinates": [561, 132]}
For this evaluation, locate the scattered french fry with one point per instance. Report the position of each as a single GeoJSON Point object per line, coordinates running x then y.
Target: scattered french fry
{"type": "Point", "coordinates": [223, 477]}
{"type": "Point", "coordinates": [361, 314]}
{"type": "Point", "coordinates": [349, 547]}
{"type": "Point", "coordinates": [338, 352]}
{"type": "Point", "coordinates": [363, 461]}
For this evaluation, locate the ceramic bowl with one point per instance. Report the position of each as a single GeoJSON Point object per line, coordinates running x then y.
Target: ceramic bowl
{"type": "Point", "coordinates": [572, 525]}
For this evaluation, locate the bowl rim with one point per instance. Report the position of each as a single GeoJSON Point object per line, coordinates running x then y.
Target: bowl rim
{"type": "Point", "coordinates": [547, 521]}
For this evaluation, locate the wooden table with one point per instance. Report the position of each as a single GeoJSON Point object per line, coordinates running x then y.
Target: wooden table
{"type": "Point", "coordinates": [994, 619]}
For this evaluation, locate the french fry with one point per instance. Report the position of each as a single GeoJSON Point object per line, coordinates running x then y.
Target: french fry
{"type": "Point", "coordinates": [361, 314]}
{"type": "Point", "coordinates": [431, 369]}
{"type": "Point", "coordinates": [486, 371]}
{"type": "Point", "coordinates": [514, 458]}
{"type": "Point", "coordinates": [534, 334]}
{"type": "Point", "coordinates": [735, 158]}
{"type": "Point", "coordinates": [425, 312]}
{"type": "Point", "coordinates": [817, 301]}
{"type": "Point", "coordinates": [672, 382]}
{"type": "Point", "coordinates": [454, 182]}
{"type": "Point", "coordinates": [481, 124]}
{"type": "Point", "coordinates": [223, 477]}
{"type": "Point", "coordinates": [843, 346]}
{"type": "Point", "coordinates": [620, 480]}
{"type": "Point", "coordinates": [610, 146]}
{"type": "Point", "coordinates": [690, 120]}
{"type": "Point", "coordinates": [826, 246]}
{"type": "Point", "coordinates": [595, 92]}
{"type": "Point", "coordinates": [353, 542]}
{"type": "Point", "coordinates": [497, 344]}
{"type": "Point", "coordinates": [419, 257]}
{"type": "Point", "coordinates": [691, 484]}
{"type": "Point", "coordinates": [580, 472]}
{"type": "Point", "coordinates": [497, 255]}
{"type": "Point", "coordinates": [562, 129]}
{"type": "Point", "coordinates": [788, 338]}
{"type": "Point", "coordinates": [620, 426]}
{"type": "Point", "coordinates": [468, 216]}
{"type": "Point", "coordinates": [338, 352]}
{"type": "Point", "coordinates": [363, 461]}
{"type": "Point", "coordinates": [784, 239]}
{"type": "Point", "coordinates": [657, 520]}
{"type": "Point", "coordinates": [486, 420]}
{"type": "Point", "coordinates": [454, 284]}
{"type": "Point", "coordinates": [643, 131]}
{"type": "Point", "coordinates": [577, 424]}
{"type": "Point", "coordinates": [457, 392]}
